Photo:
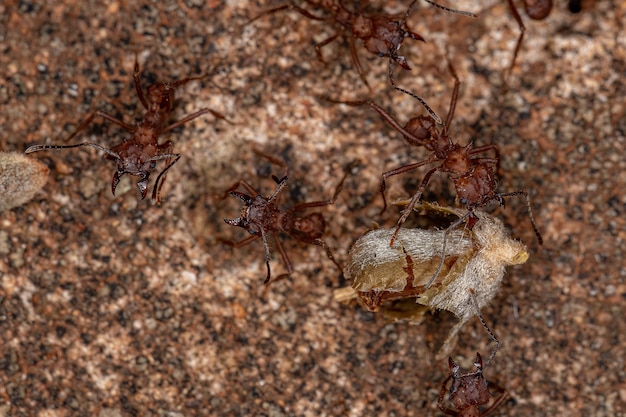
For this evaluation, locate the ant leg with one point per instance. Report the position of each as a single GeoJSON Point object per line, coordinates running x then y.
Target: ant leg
{"type": "Point", "coordinates": [320, 45]}
{"type": "Point", "coordinates": [179, 83]}
{"type": "Point", "coordinates": [495, 161]}
{"type": "Point", "coordinates": [485, 148]}
{"type": "Point", "coordinates": [329, 254]}
{"type": "Point", "coordinates": [413, 140]}
{"type": "Point", "coordinates": [442, 393]}
{"type": "Point", "coordinates": [244, 184]}
{"type": "Point", "coordinates": [489, 332]}
{"type": "Point", "coordinates": [283, 255]}
{"type": "Point", "coordinates": [408, 136]}
{"type": "Point", "coordinates": [492, 162]}
{"type": "Point", "coordinates": [323, 203]}
{"type": "Point", "coordinates": [454, 98]}
{"type": "Point", "coordinates": [415, 96]}
{"type": "Point", "coordinates": [105, 116]}
{"type": "Point", "coordinates": [356, 62]}
{"type": "Point", "coordinates": [239, 243]}
{"type": "Point", "coordinates": [138, 88]}
{"type": "Point", "coordinates": [290, 6]}
{"type": "Point", "coordinates": [522, 29]}
{"type": "Point", "coordinates": [156, 191]}
{"type": "Point", "coordinates": [504, 394]}
{"type": "Point", "coordinates": [193, 116]}
{"type": "Point", "coordinates": [398, 171]}
{"type": "Point", "coordinates": [409, 208]}
{"type": "Point", "coordinates": [273, 159]}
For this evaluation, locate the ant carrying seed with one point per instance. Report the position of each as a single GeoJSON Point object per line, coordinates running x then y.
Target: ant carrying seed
{"type": "Point", "coordinates": [473, 176]}
{"type": "Point", "coordinates": [469, 392]}
{"type": "Point", "coordinates": [535, 9]}
{"type": "Point", "coordinates": [384, 277]}
{"type": "Point", "coordinates": [261, 217]}
{"type": "Point", "coordinates": [381, 34]}
{"type": "Point", "coordinates": [138, 154]}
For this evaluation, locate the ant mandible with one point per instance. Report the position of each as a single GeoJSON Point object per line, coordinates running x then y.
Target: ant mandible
{"type": "Point", "coordinates": [473, 176]}
{"type": "Point", "coordinates": [138, 154]}
{"type": "Point", "coordinates": [260, 216]}
{"type": "Point", "coordinates": [470, 391]}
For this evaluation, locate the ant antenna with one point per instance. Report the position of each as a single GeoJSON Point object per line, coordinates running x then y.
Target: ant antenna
{"type": "Point", "coordinates": [415, 96]}
{"type": "Point", "coordinates": [281, 184]}
{"type": "Point", "coordinates": [266, 249]}
{"type": "Point", "coordinates": [408, 12]}
{"type": "Point", "coordinates": [36, 148]}
{"type": "Point", "coordinates": [482, 321]}
{"type": "Point", "coordinates": [447, 9]}
{"type": "Point", "coordinates": [530, 212]}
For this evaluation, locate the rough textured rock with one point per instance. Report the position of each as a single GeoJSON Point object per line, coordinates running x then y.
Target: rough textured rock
{"type": "Point", "coordinates": [113, 306]}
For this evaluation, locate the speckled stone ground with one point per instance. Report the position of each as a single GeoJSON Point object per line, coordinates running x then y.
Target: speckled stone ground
{"type": "Point", "coordinates": [111, 306]}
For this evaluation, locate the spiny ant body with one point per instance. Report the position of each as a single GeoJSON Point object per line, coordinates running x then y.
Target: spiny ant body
{"type": "Point", "coordinates": [381, 34]}
{"type": "Point", "coordinates": [261, 217]}
{"type": "Point", "coordinates": [473, 176]}
{"type": "Point", "coordinates": [469, 392]}
{"type": "Point", "coordinates": [138, 154]}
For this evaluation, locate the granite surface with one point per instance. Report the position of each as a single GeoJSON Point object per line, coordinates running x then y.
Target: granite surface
{"type": "Point", "coordinates": [112, 306]}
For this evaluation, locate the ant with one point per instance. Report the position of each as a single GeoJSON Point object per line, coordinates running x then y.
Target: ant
{"type": "Point", "coordinates": [260, 216]}
{"type": "Point", "coordinates": [470, 391]}
{"type": "Point", "coordinates": [138, 154]}
{"type": "Point", "coordinates": [381, 34]}
{"type": "Point", "coordinates": [473, 176]}
{"type": "Point", "coordinates": [535, 9]}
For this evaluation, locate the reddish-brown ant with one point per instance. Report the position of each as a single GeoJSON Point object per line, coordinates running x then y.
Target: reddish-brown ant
{"type": "Point", "coordinates": [468, 392]}
{"type": "Point", "coordinates": [261, 217]}
{"type": "Point", "coordinates": [138, 154]}
{"type": "Point", "coordinates": [473, 177]}
{"type": "Point", "coordinates": [381, 34]}
{"type": "Point", "coordinates": [535, 9]}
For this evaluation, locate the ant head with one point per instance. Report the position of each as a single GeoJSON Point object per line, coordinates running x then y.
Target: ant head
{"type": "Point", "coordinates": [247, 212]}
{"type": "Point", "coordinates": [468, 391]}
{"type": "Point", "coordinates": [142, 184]}
{"type": "Point", "coordinates": [252, 227]}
